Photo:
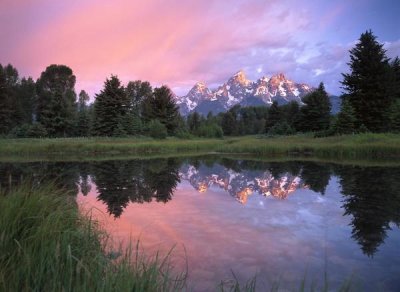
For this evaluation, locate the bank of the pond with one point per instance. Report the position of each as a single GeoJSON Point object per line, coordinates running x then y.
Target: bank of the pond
{"type": "Point", "coordinates": [46, 245]}
{"type": "Point", "coordinates": [350, 146]}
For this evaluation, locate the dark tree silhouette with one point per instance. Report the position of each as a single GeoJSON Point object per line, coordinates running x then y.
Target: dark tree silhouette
{"type": "Point", "coordinates": [372, 198]}
{"type": "Point", "coordinates": [315, 114]}
{"type": "Point", "coordinates": [368, 83]}
{"type": "Point", "coordinates": [110, 108]}
{"type": "Point", "coordinates": [56, 101]}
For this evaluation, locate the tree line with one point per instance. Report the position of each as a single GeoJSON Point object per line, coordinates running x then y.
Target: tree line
{"type": "Point", "coordinates": [50, 107]}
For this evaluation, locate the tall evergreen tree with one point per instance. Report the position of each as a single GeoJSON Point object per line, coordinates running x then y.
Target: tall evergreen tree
{"type": "Point", "coordinates": [193, 121]}
{"type": "Point", "coordinates": [56, 100]}
{"type": "Point", "coordinates": [395, 80]}
{"type": "Point", "coordinates": [26, 100]}
{"type": "Point", "coordinates": [6, 107]}
{"type": "Point", "coordinates": [83, 120]}
{"type": "Point", "coordinates": [394, 116]}
{"type": "Point", "coordinates": [315, 114]}
{"type": "Point", "coordinates": [10, 111]}
{"type": "Point", "coordinates": [161, 106]}
{"type": "Point", "coordinates": [394, 110]}
{"type": "Point", "coordinates": [291, 112]}
{"type": "Point", "coordinates": [367, 83]}
{"type": "Point", "coordinates": [274, 116]}
{"type": "Point", "coordinates": [345, 123]}
{"type": "Point", "coordinates": [110, 107]}
{"type": "Point", "coordinates": [228, 123]}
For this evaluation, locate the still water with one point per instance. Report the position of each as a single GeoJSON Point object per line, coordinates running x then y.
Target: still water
{"type": "Point", "coordinates": [279, 221]}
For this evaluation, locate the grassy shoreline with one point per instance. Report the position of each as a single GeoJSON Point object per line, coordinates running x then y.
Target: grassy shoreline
{"type": "Point", "coordinates": [361, 146]}
{"type": "Point", "coordinates": [47, 245]}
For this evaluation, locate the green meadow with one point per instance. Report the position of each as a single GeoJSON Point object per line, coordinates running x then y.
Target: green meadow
{"type": "Point", "coordinates": [360, 146]}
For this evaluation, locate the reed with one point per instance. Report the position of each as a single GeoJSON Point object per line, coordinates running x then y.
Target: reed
{"type": "Point", "coordinates": [46, 245]}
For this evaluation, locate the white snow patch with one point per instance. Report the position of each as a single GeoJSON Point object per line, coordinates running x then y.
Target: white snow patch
{"type": "Point", "coordinates": [261, 90]}
{"type": "Point", "coordinates": [282, 90]}
{"type": "Point", "coordinates": [191, 104]}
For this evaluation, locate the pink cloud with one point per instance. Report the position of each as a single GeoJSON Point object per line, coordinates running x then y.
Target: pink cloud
{"type": "Point", "coordinates": [176, 42]}
{"type": "Point", "coordinates": [160, 41]}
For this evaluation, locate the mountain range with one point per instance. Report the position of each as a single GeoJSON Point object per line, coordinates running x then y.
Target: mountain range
{"type": "Point", "coordinates": [239, 90]}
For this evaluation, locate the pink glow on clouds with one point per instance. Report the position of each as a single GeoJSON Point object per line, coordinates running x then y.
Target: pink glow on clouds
{"type": "Point", "coordinates": [153, 40]}
{"type": "Point", "coordinates": [166, 42]}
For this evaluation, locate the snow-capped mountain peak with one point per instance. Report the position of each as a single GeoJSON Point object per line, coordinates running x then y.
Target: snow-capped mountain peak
{"type": "Point", "coordinates": [239, 78]}
{"type": "Point", "coordinates": [239, 90]}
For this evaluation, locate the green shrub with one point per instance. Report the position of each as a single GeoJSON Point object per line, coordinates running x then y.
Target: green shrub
{"type": "Point", "coordinates": [37, 130]}
{"type": "Point", "coordinates": [282, 128]}
{"type": "Point", "coordinates": [157, 130]}
{"type": "Point", "coordinates": [210, 131]}
{"type": "Point", "coordinates": [182, 134]}
{"type": "Point", "coordinates": [20, 131]}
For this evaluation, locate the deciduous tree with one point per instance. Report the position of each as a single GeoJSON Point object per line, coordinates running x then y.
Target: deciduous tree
{"type": "Point", "coordinates": [56, 101]}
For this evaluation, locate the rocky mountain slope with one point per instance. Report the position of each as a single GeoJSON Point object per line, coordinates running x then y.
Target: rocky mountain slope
{"type": "Point", "coordinates": [239, 90]}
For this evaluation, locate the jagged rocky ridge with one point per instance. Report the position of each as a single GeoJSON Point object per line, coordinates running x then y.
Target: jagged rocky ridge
{"type": "Point", "coordinates": [239, 90]}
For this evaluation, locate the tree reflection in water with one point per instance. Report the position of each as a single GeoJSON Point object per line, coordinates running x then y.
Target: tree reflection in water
{"type": "Point", "coordinates": [372, 198]}
{"type": "Point", "coordinates": [371, 195]}
{"type": "Point", "coordinates": [137, 181]}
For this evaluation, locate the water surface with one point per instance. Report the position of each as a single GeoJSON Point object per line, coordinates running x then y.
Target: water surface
{"type": "Point", "coordinates": [280, 221]}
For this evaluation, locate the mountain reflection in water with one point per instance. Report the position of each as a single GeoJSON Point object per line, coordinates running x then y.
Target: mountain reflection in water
{"type": "Point", "coordinates": [370, 196]}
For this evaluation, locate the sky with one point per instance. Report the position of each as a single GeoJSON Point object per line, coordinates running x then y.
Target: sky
{"type": "Point", "coordinates": [181, 42]}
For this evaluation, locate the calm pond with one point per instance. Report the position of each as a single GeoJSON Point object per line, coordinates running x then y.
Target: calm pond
{"type": "Point", "coordinates": [281, 221]}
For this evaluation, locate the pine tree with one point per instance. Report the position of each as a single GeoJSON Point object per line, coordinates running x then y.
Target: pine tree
{"type": "Point", "coordinates": [110, 106]}
{"type": "Point", "coordinates": [315, 114]}
{"type": "Point", "coordinates": [6, 109]}
{"type": "Point", "coordinates": [193, 121]}
{"type": "Point", "coordinates": [274, 116]}
{"type": "Point", "coordinates": [10, 115]}
{"type": "Point", "coordinates": [83, 121]}
{"type": "Point", "coordinates": [367, 83]}
{"type": "Point", "coordinates": [395, 80]}
{"type": "Point", "coordinates": [56, 100]}
{"type": "Point", "coordinates": [292, 113]}
{"type": "Point", "coordinates": [394, 116]}
{"type": "Point", "coordinates": [228, 123]}
{"type": "Point", "coordinates": [26, 100]}
{"type": "Point", "coordinates": [346, 120]}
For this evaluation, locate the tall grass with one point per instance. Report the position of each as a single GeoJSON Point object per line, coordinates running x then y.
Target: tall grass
{"type": "Point", "coordinates": [351, 146]}
{"type": "Point", "coordinates": [46, 245]}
